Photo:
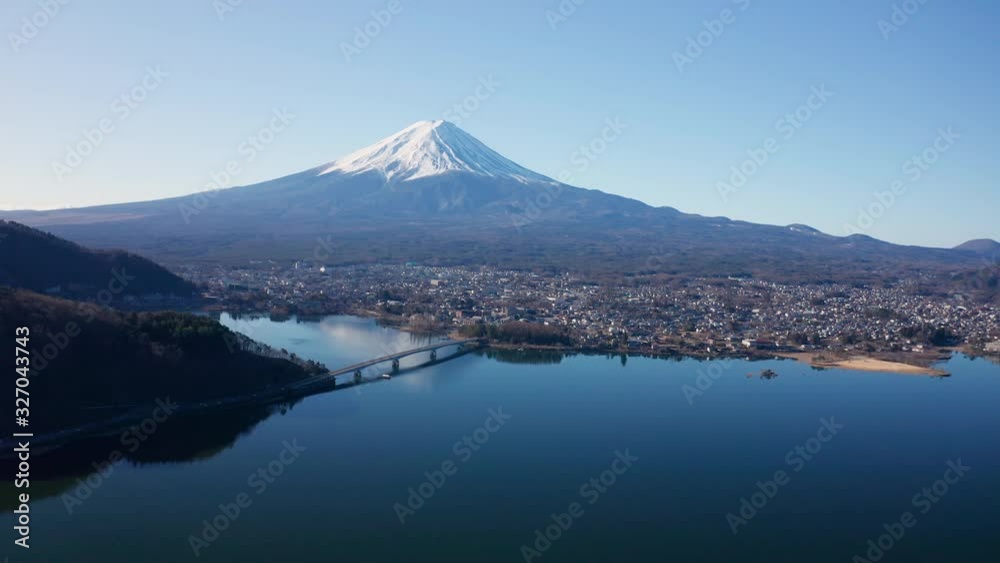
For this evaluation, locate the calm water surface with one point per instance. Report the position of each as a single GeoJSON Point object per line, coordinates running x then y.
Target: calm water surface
{"type": "Point", "coordinates": [363, 449]}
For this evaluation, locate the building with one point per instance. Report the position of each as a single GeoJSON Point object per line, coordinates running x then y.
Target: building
{"type": "Point", "coordinates": [993, 347]}
{"type": "Point", "coordinates": [760, 344]}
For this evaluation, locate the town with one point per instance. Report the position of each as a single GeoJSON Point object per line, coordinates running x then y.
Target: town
{"type": "Point", "coordinates": [696, 317]}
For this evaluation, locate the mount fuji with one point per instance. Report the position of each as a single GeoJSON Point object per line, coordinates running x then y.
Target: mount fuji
{"type": "Point", "coordinates": [431, 171]}
{"type": "Point", "coordinates": [431, 148]}
{"type": "Point", "coordinates": [435, 194]}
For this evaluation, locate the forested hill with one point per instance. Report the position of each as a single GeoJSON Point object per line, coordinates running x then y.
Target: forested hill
{"type": "Point", "coordinates": [39, 261]}
{"type": "Point", "coordinates": [89, 363]}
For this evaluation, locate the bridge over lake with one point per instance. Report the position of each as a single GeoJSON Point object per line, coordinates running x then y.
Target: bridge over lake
{"type": "Point", "coordinates": [463, 346]}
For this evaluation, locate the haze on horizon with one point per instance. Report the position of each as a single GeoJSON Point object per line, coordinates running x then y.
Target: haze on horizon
{"type": "Point", "coordinates": [541, 84]}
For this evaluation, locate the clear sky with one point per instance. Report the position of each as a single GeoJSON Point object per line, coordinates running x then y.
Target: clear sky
{"type": "Point", "coordinates": [555, 81]}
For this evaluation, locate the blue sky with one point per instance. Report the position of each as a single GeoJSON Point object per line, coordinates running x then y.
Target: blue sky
{"type": "Point", "coordinates": [555, 83]}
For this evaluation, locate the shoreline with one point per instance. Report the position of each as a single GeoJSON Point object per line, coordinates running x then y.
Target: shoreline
{"type": "Point", "coordinates": [905, 363]}
{"type": "Point", "coordinates": [820, 360]}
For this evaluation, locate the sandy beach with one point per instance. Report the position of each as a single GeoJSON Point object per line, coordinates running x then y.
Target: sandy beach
{"type": "Point", "coordinates": [862, 363]}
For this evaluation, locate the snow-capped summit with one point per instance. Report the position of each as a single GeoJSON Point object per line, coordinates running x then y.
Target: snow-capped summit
{"type": "Point", "coordinates": [431, 148]}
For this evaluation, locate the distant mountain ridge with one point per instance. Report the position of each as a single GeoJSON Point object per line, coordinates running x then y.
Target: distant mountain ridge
{"type": "Point", "coordinates": [38, 261]}
{"type": "Point", "coordinates": [432, 193]}
{"type": "Point", "coordinates": [980, 246]}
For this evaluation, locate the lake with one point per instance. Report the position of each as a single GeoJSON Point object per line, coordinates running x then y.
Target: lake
{"type": "Point", "coordinates": [515, 456]}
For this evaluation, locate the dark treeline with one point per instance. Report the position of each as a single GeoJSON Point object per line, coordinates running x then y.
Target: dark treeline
{"type": "Point", "coordinates": [518, 332]}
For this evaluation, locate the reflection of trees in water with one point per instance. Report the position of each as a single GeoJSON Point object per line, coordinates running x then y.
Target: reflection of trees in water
{"type": "Point", "coordinates": [532, 356]}
{"type": "Point", "coordinates": [768, 374]}
{"type": "Point", "coordinates": [421, 339]}
{"type": "Point", "coordinates": [992, 358]}
{"type": "Point", "coordinates": [203, 437]}
{"type": "Point", "coordinates": [182, 440]}
{"type": "Point", "coordinates": [509, 356]}
{"type": "Point", "coordinates": [39, 490]}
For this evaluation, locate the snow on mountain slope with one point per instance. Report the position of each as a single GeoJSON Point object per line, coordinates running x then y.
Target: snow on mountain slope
{"type": "Point", "coordinates": [430, 148]}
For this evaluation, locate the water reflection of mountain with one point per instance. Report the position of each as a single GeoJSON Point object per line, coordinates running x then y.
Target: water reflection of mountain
{"type": "Point", "coordinates": [183, 440]}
